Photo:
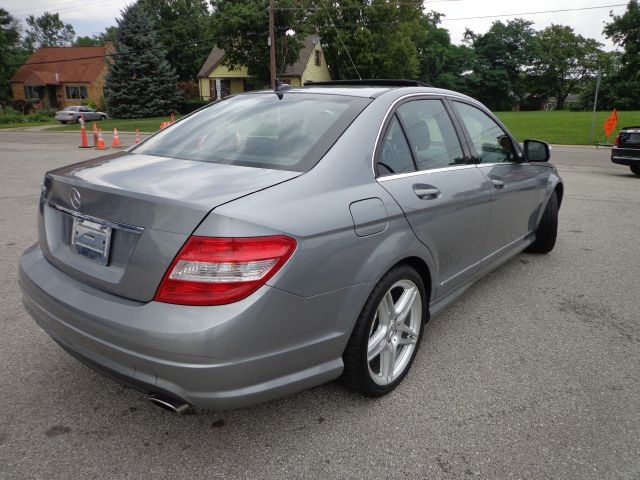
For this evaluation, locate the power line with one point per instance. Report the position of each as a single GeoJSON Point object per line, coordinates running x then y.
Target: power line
{"type": "Point", "coordinates": [340, 37]}
{"type": "Point", "coordinates": [444, 19]}
{"type": "Point", "coordinates": [90, 57]}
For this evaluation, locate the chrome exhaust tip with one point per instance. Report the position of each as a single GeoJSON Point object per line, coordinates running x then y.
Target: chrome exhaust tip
{"type": "Point", "coordinates": [170, 404]}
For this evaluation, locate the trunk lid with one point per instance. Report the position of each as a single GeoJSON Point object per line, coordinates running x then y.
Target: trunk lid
{"type": "Point", "coordinates": [150, 205]}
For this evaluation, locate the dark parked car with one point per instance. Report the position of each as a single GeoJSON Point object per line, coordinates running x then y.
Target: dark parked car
{"type": "Point", "coordinates": [274, 241]}
{"type": "Point", "coordinates": [73, 114]}
{"type": "Point", "coordinates": [627, 148]}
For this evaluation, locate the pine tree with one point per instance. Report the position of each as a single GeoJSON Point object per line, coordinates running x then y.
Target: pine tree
{"type": "Point", "coordinates": [140, 83]}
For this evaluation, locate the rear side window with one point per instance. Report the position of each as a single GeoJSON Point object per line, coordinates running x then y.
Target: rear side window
{"type": "Point", "coordinates": [491, 142]}
{"type": "Point", "coordinates": [290, 132]}
{"type": "Point", "coordinates": [431, 133]}
{"type": "Point", "coordinates": [395, 155]}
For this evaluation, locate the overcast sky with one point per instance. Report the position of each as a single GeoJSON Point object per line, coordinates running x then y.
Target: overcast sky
{"type": "Point", "coordinates": [89, 17]}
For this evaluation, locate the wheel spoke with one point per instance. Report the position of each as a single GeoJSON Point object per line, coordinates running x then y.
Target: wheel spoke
{"type": "Point", "coordinates": [404, 304]}
{"type": "Point", "coordinates": [385, 310]}
{"type": "Point", "coordinates": [376, 344]}
{"type": "Point", "coordinates": [387, 362]}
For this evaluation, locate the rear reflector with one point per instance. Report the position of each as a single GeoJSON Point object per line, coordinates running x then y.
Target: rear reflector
{"type": "Point", "coordinates": [217, 271]}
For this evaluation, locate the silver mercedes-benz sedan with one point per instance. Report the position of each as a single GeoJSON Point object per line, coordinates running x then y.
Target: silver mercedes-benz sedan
{"type": "Point", "coordinates": [274, 241]}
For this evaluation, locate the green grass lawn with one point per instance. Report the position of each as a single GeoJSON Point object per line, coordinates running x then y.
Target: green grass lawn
{"type": "Point", "coordinates": [144, 125]}
{"type": "Point", "coordinates": [562, 127]}
{"type": "Point", "coordinates": [27, 124]}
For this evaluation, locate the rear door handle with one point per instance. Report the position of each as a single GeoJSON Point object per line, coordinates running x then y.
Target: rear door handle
{"type": "Point", "coordinates": [497, 182]}
{"type": "Point", "coordinates": [426, 192]}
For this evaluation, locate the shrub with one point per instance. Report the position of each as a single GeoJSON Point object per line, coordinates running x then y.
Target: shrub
{"type": "Point", "coordinates": [23, 106]}
{"type": "Point", "coordinates": [189, 90]}
{"type": "Point", "coordinates": [188, 106]}
{"type": "Point", "coordinates": [90, 103]}
{"type": "Point", "coordinates": [11, 118]}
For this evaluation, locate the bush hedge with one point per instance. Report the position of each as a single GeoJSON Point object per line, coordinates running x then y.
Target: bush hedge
{"type": "Point", "coordinates": [188, 106]}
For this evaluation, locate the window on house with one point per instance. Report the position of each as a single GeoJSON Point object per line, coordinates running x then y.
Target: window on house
{"type": "Point", "coordinates": [31, 92]}
{"type": "Point", "coordinates": [75, 92]}
{"type": "Point", "coordinates": [318, 58]}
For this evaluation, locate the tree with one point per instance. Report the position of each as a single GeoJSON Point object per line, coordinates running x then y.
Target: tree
{"type": "Point", "coordinates": [240, 28]}
{"type": "Point", "coordinates": [501, 58]}
{"type": "Point", "coordinates": [440, 63]}
{"type": "Point", "coordinates": [47, 31]}
{"type": "Point", "coordinates": [109, 34]}
{"type": "Point", "coordinates": [624, 30]}
{"type": "Point", "coordinates": [562, 62]}
{"type": "Point", "coordinates": [380, 37]}
{"type": "Point", "coordinates": [87, 41]}
{"type": "Point", "coordinates": [140, 82]}
{"type": "Point", "coordinates": [182, 26]}
{"type": "Point", "coordinates": [11, 53]}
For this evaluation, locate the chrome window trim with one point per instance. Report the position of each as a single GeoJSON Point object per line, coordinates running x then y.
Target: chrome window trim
{"type": "Point", "coordinates": [480, 165]}
{"type": "Point", "coordinates": [384, 121]}
{"type": "Point", "coordinates": [118, 226]}
{"type": "Point", "coordinates": [424, 172]}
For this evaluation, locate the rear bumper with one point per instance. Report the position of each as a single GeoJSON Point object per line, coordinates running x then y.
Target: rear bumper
{"type": "Point", "coordinates": [267, 345]}
{"type": "Point", "coordinates": [626, 158]}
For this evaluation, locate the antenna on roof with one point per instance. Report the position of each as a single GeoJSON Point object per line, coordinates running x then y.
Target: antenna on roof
{"type": "Point", "coordinates": [281, 87]}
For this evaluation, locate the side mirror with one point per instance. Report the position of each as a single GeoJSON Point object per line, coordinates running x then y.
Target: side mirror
{"type": "Point", "coordinates": [537, 151]}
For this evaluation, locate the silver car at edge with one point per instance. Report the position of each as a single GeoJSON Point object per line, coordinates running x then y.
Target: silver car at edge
{"type": "Point", "coordinates": [274, 241]}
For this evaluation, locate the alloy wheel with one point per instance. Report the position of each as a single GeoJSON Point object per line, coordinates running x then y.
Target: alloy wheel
{"type": "Point", "coordinates": [394, 332]}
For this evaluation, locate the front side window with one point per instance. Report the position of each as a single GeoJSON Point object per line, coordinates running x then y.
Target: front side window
{"type": "Point", "coordinates": [287, 132]}
{"type": "Point", "coordinates": [491, 142]}
{"type": "Point", "coordinates": [75, 92]}
{"type": "Point", "coordinates": [395, 155]}
{"type": "Point", "coordinates": [432, 135]}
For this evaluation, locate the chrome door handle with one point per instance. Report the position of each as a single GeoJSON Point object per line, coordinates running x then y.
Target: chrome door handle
{"type": "Point", "coordinates": [497, 183]}
{"type": "Point", "coordinates": [426, 193]}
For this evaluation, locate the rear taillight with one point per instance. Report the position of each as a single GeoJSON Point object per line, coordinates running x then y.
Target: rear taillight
{"type": "Point", "coordinates": [617, 140]}
{"type": "Point", "coordinates": [217, 271]}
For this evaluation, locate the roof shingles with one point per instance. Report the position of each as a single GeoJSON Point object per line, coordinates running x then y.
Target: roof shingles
{"type": "Point", "coordinates": [72, 64]}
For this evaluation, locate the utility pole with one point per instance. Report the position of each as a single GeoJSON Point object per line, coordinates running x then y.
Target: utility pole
{"type": "Point", "coordinates": [595, 105]}
{"type": "Point", "coordinates": [272, 43]}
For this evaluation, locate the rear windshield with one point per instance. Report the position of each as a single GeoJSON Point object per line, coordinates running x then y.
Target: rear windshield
{"type": "Point", "coordinates": [260, 130]}
{"type": "Point", "coordinates": [630, 137]}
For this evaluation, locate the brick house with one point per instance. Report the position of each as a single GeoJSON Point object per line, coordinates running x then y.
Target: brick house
{"type": "Point", "coordinates": [62, 76]}
{"type": "Point", "coordinates": [216, 80]}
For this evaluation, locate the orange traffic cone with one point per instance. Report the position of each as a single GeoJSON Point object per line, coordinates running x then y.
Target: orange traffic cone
{"type": "Point", "coordinates": [173, 118]}
{"type": "Point", "coordinates": [116, 139]}
{"type": "Point", "coordinates": [101, 145]}
{"type": "Point", "coordinates": [83, 134]}
{"type": "Point", "coordinates": [95, 135]}
{"type": "Point", "coordinates": [137, 136]}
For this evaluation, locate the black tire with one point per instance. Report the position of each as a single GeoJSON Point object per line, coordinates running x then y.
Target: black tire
{"type": "Point", "coordinates": [77, 120]}
{"type": "Point", "coordinates": [547, 231]}
{"type": "Point", "coordinates": [356, 374]}
{"type": "Point", "coordinates": [635, 169]}
{"type": "Point", "coordinates": [64, 122]}
{"type": "Point", "coordinates": [103, 118]}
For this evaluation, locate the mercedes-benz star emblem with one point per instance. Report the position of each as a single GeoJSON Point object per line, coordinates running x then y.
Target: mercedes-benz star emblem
{"type": "Point", "coordinates": [76, 200]}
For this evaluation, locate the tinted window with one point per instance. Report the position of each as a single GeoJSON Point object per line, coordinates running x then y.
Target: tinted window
{"type": "Point", "coordinates": [395, 154]}
{"type": "Point", "coordinates": [260, 130]}
{"type": "Point", "coordinates": [491, 142]}
{"type": "Point", "coordinates": [431, 133]}
{"type": "Point", "coordinates": [630, 138]}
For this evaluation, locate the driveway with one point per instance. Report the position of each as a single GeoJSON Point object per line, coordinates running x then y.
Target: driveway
{"type": "Point", "coordinates": [533, 373]}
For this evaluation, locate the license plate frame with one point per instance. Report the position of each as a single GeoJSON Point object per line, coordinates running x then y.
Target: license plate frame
{"type": "Point", "coordinates": [91, 239]}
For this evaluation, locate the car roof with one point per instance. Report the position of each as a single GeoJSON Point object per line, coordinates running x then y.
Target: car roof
{"type": "Point", "coordinates": [368, 91]}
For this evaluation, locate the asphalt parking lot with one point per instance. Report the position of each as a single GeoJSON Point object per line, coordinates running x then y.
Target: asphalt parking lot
{"type": "Point", "coordinates": [533, 373]}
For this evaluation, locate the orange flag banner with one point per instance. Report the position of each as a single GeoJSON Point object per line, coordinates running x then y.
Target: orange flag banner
{"type": "Point", "coordinates": [611, 123]}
